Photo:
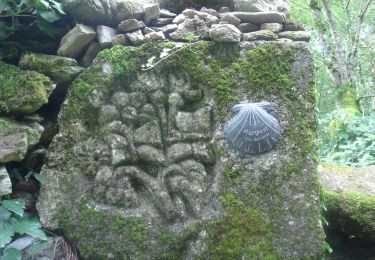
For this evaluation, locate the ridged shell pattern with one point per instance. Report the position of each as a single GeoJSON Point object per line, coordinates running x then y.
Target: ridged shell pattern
{"type": "Point", "coordinates": [253, 130]}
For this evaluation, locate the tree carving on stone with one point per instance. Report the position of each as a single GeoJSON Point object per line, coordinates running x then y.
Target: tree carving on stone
{"type": "Point", "coordinates": [158, 131]}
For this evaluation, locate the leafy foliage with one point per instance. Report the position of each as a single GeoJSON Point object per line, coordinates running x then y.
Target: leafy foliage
{"type": "Point", "coordinates": [347, 138]}
{"type": "Point", "coordinates": [18, 14]}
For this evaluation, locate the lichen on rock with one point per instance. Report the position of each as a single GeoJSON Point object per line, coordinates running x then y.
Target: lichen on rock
{"type": "Point", "coordinates": [145, 152]}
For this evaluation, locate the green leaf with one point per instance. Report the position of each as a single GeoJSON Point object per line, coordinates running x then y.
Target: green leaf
{"type": "Point", "coordinates": [58, 6]}
{"type": "Point", "coordinates": [7, 232]}
{"type": "Point", "coordinates": [4, 6]}
{"type": "Point", "coordinates": [46, 27]}
{"type": "Point", "coordinates": [49, 16]}
{"type": "Point", "coordinates": [39, 247]}
{"type": "Point", "coordinates": [16, 206]}
{"type": "Point", "coordinates": [42, 5]}
{"type": "Point", "coordinates": [41, 178]}
{"type": "Point", "coordinates": [31, 227]}
{"type": "Point", "coordinates": [4, 213]}
{"type": "Point", "coordinates": [11, 254]}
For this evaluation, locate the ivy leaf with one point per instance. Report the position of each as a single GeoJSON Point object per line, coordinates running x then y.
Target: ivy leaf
{"type": "Point", "coordinates": [7, 232]}
{"type": "Point", "coordinates": [4, 6]}
{"type": "Point", "coordinates": [49, 16]}
{"type": "Point", "coordinates": [4, 213]}
{"type": "Point", "coordinates": [58, 6]}
{"type": "Point", "coordinates": [42, 5]}
{"type": "Point", "coordinates": [41, 178]}
{"type": "Point", "coordinates": [31, 227]}
{"type": "Point", "coordinates": [46, 27]}
{"type": "Point", "coordinates": [11, 254]}
{"type": "Point", "coordinates": [15, 206]}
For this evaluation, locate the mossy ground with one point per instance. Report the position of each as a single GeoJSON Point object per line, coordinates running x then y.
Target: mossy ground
{"type": "Point", "coordinates": [22, 91]}
{"type": "Point", "coordinates": [264, 71]}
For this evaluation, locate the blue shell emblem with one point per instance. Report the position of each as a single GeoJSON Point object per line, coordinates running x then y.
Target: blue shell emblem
{"type": "Point", "coordinates": [253, 130]}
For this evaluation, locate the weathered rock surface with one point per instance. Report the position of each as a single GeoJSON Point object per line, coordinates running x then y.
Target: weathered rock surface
{"type": "Point", "coordinates": [225, 33]}
{"type": "Point", "coordinates": [154, 36]}
{"type": "Point", "coordinates": [152, 12]}
{"type": "Point", "coordinates": [260, 17]}
{"type": "Point", "coordinates": [295, 36]}
{"type": "Point", "coordinates": [141, 168]}
{"type": "Point", "coordinates": [60, 69]}
{"type": "Point", "coordinates": [195, 26]}
{"type": "Point", "coordinates": [349, 196]}
{"type": "Point", "coordinates": [22, 91]}
{"type": "Point", "coordinates": [106, 12]}
{"type": "Point", "coordinates": [293, 26]}
{"type": "Point", "coordinates": [16, 138]}
{"type": "Point", "coordinates": [5, 183]}
{"type": "Point", "coordinates": [105, 35]}
{"type": "Point", "coordinates": [136, 38]}
{"type": "Point", "coordinates": [90, 54]}
{"type": "Point", "coordinates": [248, 27]}
{"type": "Point", "coordinates": [273, 27]}
{"type": "Point", "coordinates": [229, 18]}
{"type": "Point", "coordinates": [75, 42]}
{"type": "Point", "coordinates": [263, 35]}
{"type": "Point", "coordinates": [179, 5]}
{"type": "Point", "coordinates": [261, 6]}
{"type": "Point", "coordinates": [130, 25]}
{"type": "Point", "coordinates": [119, 39]}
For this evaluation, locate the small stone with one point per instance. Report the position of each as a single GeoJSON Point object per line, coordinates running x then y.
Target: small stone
{"type": "Point", "coordinates": [154, 36]}
{"type": "Point", "coordinates": [210, 11]}
{"type": "Point", "coordinates": [264, 35]}
{"type": "Point", "coordinates": [130, 25]}
{"type": "Point", "coordinates": [147, 30]}
{"type": "Point", "coordinates": [136, 37]}
{"type": "Point", "coordinates": [224, 9]}
{"type": "Point", "coordinates": [152, 12]}
{"type": "Point", "coordinates": [179, 19]}
{"type": "Point", "coordinates": [162, 21]}
{"type": "Point", "coordinates": [292, 25]}
{"type": "Point", "coordinates": [190, 27]}
{"type": "Point", "coordinates": [296, 36]}
{"type": "Point", "coordinates": [119, 39]}
{"type": "Point", "coordinates": [90, 55]}
{"type": "Point", "coordinates": [16, 138]}
{"type": "Point", "coordinates": [225, 33]}
{"type": "Point", "coordinates": [166, 29]}
{"type": "Point", "coordinates": [248, 27]}
{"type": "Point", "coordinates": [105, 35]}
{"type": "Point", "coordinates": [5, 183]}
{"type": "Point", "coordinates": [260, 17]}
{"type": "Point", "coordinates": [164, 13]}
{"type": "Point", "coordinates": [230, 19]}
{"type": "Point", "coordinates": [75, 42]}
{"type": "Point", "coordinates": [273, 27]}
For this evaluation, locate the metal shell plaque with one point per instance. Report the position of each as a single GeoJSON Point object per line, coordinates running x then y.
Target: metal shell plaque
{"type": "Point", "coordinates": [253, 130]}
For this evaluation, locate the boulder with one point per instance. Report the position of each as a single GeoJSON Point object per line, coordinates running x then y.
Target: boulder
{"type": "Point", "coordinates": [130, 25]}
{"type": "Point", "coordinates": [90, 55]}
{"type": "Point", "coordinates": [273, 27]}
{"type": "Point", "coordinates": [105, 12]}
{"type": "Point", "coordinates": [295, 36]}
{"type": "Point", "coordinates": [152, 12]}
{"type": "Point", "coordinates": [349, 196]}
{"type": "Point", "coordinates": [5, 183]}
{"type": "Point", "coordinates": [61, 70]}
{"type": "Point", "coordinates": [141, 161]}
{"type": "Point", "coordinates": [225, 33]}
{"type": "Point", "coordinates": [263, 35]}
{"type": "Point", "coordinates": [76, 41]}
{"type": "Point", "coordinates": [260, 17]}
{"type": "Point", "coordinates": [179, 19]}
{"type": "Point", "coordinates": [105, 35]}
{"type": "Point", "coordinates": [22, 91]}
{"type": "Point", "coordinates": [164, 13]}
{"type": "Point", "coordinates": [154, 36]}
{"type": "Point", "coordinates": [16, 138]}
{"type": "Point", "coordinates": [166, 29]}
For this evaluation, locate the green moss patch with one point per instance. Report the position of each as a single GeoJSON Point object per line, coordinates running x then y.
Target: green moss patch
{"type": "Point", "coordinates": [22, 91]}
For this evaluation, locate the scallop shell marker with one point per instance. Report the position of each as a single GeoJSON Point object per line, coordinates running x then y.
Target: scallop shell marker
{"type": "Point", "coordinates": [253, 130]}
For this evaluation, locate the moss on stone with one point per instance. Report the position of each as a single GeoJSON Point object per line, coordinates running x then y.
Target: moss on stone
{"type": "Point", "coordinates": [352, 212]}
{"type": "Point", "coordinates": [22, 91]}
{"type": "Point", "coordinates": [123, 238]}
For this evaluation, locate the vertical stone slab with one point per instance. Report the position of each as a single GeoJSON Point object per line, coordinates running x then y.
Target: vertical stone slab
{"type": "Point", "coordinates": [141, 168]}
